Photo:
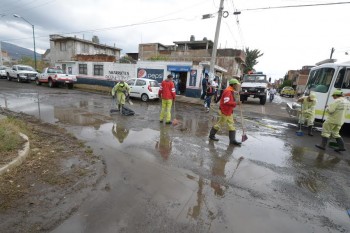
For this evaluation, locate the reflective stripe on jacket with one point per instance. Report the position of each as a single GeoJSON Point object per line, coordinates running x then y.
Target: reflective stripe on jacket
{"type": "Point", "coordinates": [227, 102]}
{"type": "Point", "coordinates": [167, 90]}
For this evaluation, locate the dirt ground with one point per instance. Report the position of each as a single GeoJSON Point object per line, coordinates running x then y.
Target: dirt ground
{"type": "Point", "coordinates": [51, 183]}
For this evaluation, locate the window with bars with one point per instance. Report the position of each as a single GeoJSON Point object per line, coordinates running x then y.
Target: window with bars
{"type": "Point", "coordinates": [82, 68]}
{"type": "Point", "coordinates": [98, 70]}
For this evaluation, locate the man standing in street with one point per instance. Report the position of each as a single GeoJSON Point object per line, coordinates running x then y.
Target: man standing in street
{"type": "Point", "coordinates": [227, 104]}
{"type": "Point", "coordinates": [204, 86]}
{"type": "Point", "coordinates": [308, 104]}
{"type": "Point", "coordinates": [336, 117]}
{"type": "Point", "coordinates": [167, 94]}
{"type": "Point", "coordinates": [121, 89]}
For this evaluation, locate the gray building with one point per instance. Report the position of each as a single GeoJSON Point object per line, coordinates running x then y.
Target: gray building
{"type": "Point", "coordinates": [197, 52]}
{"type": "Point", "coordinates": [76, 49]}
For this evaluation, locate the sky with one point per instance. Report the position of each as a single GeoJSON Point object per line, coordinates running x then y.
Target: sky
{"type": "Point", "coordinates": [288, 37]}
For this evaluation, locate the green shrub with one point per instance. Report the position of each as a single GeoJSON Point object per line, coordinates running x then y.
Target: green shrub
{"type": "Point", "coordinates": [9, 135]}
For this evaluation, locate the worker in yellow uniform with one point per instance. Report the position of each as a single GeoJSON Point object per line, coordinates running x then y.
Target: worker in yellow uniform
{"type": "Point", "coordinates": [336, 118]}
{"type": "Point", "coordinates": [227, 103]}
{"type": "Point", "coordinates": [308, 104]}
{"type": "Point", "coordinates": [122, 90]}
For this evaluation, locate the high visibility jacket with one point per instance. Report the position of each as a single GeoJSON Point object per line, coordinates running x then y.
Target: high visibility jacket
{"type": "Point", "coordinates": [121, 87]}
{"type": "Point", "coordinates": [308, 107]}
{"type": "Point", "coordinates": [167, 90]}
{"type": "Point", "coordinates": [337, 111]}
{"type": "Point", "coordinates": [227, 101]}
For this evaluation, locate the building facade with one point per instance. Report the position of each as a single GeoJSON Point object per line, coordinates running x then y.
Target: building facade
{"type": "Point", "coordinates": [232, 60]}
{"type": "Point", "coordinates": [76, 49]}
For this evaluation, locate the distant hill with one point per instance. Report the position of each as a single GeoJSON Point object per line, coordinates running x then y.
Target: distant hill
{"type": "Point", "coordinates": [17, 52]}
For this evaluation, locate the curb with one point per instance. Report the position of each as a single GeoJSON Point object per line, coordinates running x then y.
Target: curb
{"type": "Point", "coordinates": [22, 154]}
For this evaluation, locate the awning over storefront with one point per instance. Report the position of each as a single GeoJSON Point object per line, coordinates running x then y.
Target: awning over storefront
{"type": "Point", "coordinates": [178, 68]}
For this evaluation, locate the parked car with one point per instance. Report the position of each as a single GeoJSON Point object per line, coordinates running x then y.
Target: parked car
{"type": "Point", "coordinates": [143, 88]}
{"type": "Point", "coordinates": [3, 71]}
{"type": "Point", "coordinates": [55, 77]}
{"type": "Point", "coordinates": [287, 91]}
{"type": "Point", "coordinates": [21, 73]}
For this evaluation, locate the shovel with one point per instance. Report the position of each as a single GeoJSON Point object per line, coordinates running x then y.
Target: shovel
{"type": "Point", "coordinates": [244, 136]}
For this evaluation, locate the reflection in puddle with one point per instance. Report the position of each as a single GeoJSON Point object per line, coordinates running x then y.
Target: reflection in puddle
{"type": "Point", "coordinates": [164, 144]}
{"type": "Point", "coordinates": [309, 163]}
{"type": "Point", "coordinates": [120, 132]}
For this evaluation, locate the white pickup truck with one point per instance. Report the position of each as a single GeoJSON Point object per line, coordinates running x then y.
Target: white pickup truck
{"type": "Point", "coordinates": [55, 77]}
{"type": "Point", "coordinates": [21, 73]}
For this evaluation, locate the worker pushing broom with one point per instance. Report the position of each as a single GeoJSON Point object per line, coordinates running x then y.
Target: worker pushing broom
{"type": "Point", "coordinates": [227, 104]}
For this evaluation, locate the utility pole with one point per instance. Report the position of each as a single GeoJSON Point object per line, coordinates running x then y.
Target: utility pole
{"type": "Point", "coordinates": [0, 55]}
{"type": "Point", "coordinates": [217, 32]}
{"type": "Point", "coordinates": [332, 51]}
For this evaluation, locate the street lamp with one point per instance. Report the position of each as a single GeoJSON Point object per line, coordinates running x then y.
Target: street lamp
{"type": "Point", "coordinates": [18, 16]}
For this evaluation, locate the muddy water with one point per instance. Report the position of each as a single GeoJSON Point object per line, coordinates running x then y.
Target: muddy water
{"type": "Point", "coordinates": [168, 178]}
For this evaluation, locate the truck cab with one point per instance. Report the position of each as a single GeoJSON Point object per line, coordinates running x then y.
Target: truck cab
{"type": "Point", "coordinates": [21, 73]}
{"type": "Point", "coordinates": [254, 85]}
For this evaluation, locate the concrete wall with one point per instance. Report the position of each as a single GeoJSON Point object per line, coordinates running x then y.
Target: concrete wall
{"type": "Point", "coordinates": [230, 59]}
{"type": "Point", "coordinates": [117, 71]}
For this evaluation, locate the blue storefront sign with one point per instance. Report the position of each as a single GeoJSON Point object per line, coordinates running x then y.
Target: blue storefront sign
{"type": "Point", "coordinates": [193, 78]}
{"type": "Point", "coordinates": [179, 68]}
{"type": "Point", "coordinates": [155, 74]}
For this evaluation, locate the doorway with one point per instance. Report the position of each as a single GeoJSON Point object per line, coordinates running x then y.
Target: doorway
{"type": "Point", "coordinates": [180, 80]}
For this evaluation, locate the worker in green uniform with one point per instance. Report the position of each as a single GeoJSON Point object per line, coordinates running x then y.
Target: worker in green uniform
{"type": "Point", "coordinates": [308, 104]}
{"type": "Point", "coordinates": [336, 118]}
{"type": "Point", "coordinates": [122, 89]}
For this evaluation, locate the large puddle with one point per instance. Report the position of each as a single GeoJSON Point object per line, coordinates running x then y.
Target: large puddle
{"type": "Point", "coordinates": [179, 169]}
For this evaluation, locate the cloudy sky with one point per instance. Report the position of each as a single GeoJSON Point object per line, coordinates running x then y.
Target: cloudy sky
{"type": "Point", "coordinates": [289, 37]}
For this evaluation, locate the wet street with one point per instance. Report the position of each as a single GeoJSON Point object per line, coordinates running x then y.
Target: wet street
{"type": "Point", "coordinates": [166, 178]}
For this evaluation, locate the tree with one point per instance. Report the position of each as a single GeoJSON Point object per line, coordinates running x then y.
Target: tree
{"type": "Point", "coordinates": [126, 59]}
{"type": "Point", "coordinates": [30, 62]}
{"type": "Point", "coordinates": [251, 59]}
{"type": "Point", "coordinates": [286, 83]}
{"type": "Point", "coordinates": [158, 58]}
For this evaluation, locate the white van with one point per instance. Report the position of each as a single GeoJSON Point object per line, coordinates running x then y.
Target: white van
{"type": "Point", "coordinates": [323, 80]}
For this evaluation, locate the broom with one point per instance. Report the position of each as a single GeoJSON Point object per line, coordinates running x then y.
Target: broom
{"type": "Point", "coordinates": [244, 136]}
{"type": "Point", "coordinates": [175, 121]}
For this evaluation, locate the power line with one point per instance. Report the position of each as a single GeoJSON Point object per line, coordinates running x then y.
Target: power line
{"type": "Point", "coordinates": [27, 8]}
{"type": "Point", "coordinates": [102, 29]}
{"type": "Point", "coordinates": [295, 6]}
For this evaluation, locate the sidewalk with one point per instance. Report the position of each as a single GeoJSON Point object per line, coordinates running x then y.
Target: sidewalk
{"type": "Point", "coordinates": [190, 100]}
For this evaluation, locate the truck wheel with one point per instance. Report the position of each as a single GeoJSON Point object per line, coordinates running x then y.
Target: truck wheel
{"type": "Point", "coordinates": [18, 79]}
{"type": "Point", "coordinates": [51, 84]}
{"type": "Point", "coordinates": [8, 77]}
{"type": "Point", "coordinates": [70, 85]}
{"type": "Point", "coordinates": [263, 100]}
{"type": "Point", "coordinates": [37, 82]}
